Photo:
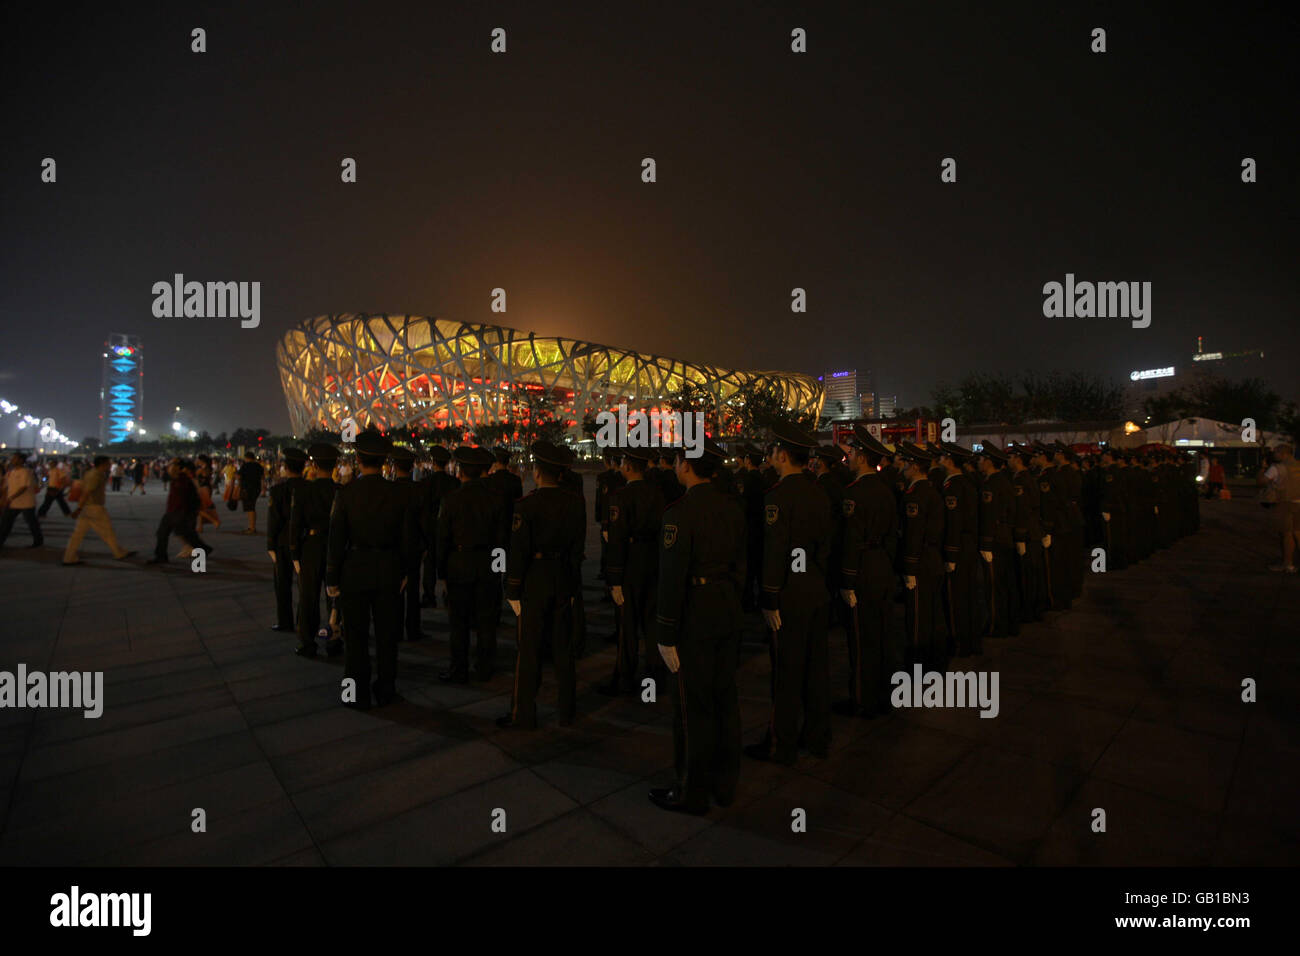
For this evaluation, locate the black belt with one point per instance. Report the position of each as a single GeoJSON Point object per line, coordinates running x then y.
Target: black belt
{"type": "Point", "coordinates": [713, 580]}
{"type": "Point", "coordinates": [547, 555]}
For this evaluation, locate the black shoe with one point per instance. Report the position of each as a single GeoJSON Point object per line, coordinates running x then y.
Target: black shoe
{"type": "Point", "coordinates": [611, 688]}
{"type": "Point", "coordinates": [68, 564]}
{"type": "Point", "coordinates": [759, 751]}
{"type": "Point", "coordinates": [453, 677]}
{"type": "Point", "coordinates": [482, 674]}
{"type": "Point", "coordinates": [334, 648]}
{"type": "Point", "coordinates": [305, 650]}
{"type": "Point", "coordinates": [383, 696]}
{"type": "Point", "coordinates": [673, 801]}
{"type": "Point", "coordinates": [507, 722]}
{"type": "Point", "coordinates": [128, 554]}
{"type": "Point", "coordinates": [417, 636]}
{"type": "Point", "coordinates": [357, 704]}
{"type": "Point", "coordinates": [428, 602]}
{"type": "Point", "coordinates": [566, 720]}
{"type": "Point", "coordinates": [37, 544]}
{"type": "Point", "coordinates": [820, 754]}
{"type": "Point", "coordinates": [281, 627]}
{"type": "Point", "coordinates": [156, 561]}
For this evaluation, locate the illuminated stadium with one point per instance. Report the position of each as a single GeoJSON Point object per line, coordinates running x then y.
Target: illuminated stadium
{"type": "Point", "coordinates": [406, 371]}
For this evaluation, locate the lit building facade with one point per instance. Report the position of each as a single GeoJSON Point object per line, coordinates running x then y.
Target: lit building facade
{"type": "Point", "coordinates": [121, 390]}
{"type": "Point", "coordinates": [843, 401]}
{"type": "Point", "coordinates": [404, 371]}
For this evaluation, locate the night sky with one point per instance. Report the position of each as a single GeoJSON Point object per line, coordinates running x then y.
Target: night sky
{"type": "Point", "coordinates": [522, 171]}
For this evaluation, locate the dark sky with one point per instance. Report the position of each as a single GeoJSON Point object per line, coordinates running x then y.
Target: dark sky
{"type": "Point", "coordinates": [523, 171]}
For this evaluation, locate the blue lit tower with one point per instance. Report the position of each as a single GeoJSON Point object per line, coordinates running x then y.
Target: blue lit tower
{"type": "Point", "coordinates": [121, 392]}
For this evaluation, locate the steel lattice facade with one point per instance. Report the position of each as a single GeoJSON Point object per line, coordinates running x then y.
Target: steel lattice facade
{"type": "Point", "coordinates": [406, 371]}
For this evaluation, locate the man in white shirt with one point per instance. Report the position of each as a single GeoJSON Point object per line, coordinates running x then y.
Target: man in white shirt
{"type": "Point", "coordinates": [20, 495]}
{"type": "Point", "coordinates": [91, 513]}
{"type": "Point", "coordinates": [1284, 477]}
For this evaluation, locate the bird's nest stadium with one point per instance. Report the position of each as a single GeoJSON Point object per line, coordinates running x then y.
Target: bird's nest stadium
{"type": "Point", "coordinates": [404, 371]}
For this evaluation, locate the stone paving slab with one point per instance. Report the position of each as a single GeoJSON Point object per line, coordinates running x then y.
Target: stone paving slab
{"type": "Point", "coordinates": [1131, 702]}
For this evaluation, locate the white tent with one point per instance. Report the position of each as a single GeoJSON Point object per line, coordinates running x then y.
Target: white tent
{"type": "Point", "coordinates": [1202, 432]}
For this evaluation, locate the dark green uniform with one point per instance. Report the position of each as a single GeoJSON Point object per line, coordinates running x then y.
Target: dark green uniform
{"type": "Point", "coordinates": [546, 544]}
{"type": "Point", "coordinates": [961, 548]}
{"type": "Point", "coordinates": [1055, 517]}
{"type": "Point", "coordinates": [309, 524]}
{"type": "Point", "coordinates": [472, 523]}
{"type": "Point", "coordinates": [1111, 500]}
{"type": "Point", "coordinates": [797, 516]}
{"type": "Point", "coordinates": [997, 519]}
{"type": "Point", "coordinates": [701, 571]}
{"type": "Point", "coordinates": [922, 558]}
{"type": "Point", "coordinates": [435, 487]}
{"type": "Point", "coordinates": [411, 596]}
{"type": "Point", "coordinates": [278, 511]}
{"type": "Point", "coordinates": [372, 538]}
{"type": "Point", "coordinates": [1028, 531]}
{"type": "Point", "coordinates": [870, 524]}
{"type": "Point", "coordinates": [635, 514]}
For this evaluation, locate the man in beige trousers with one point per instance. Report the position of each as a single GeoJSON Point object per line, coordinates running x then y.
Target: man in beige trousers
{"type": "Point", "coordinates": [91, 513]}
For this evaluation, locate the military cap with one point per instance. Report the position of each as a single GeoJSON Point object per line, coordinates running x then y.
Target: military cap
{"type": "Point", "coordinates": [502, 454]}
{"type": "Point", "coordinates": [915, 453]}
{"type": "Point", "coordinates": [865, 441]}
{"type": "Point", "coordinates": [568, 457]}
{"type": "Point", "coordinates": [792, 436]}
{"type": "Point", "coordinates": [637, 454]}
{"type": "Point", "coordinates": [829, 453]}
{"type": "Point", "coordinates": [471, 455]}
{"type": "Point", "coordinates": [994, 452]}
{"type": "Point", "coordinates": [322, 453]}
{"type": "Point", "coordinates": [553, 454]}
{"type": "Point", "coordinates": [373, 444]}
{"type": "Point", "coordinates": [439, 454]}
{"type": "Point", "coordinates": [711, 447]}
{"type": "Point", "coordinates": [403, 456]}
{"type": "Point", "coordinates": [955, 451]}
{"type": "Point", "coordinates": [294, 454]}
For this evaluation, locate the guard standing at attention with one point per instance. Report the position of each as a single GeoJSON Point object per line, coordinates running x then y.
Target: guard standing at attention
{"type": "Point", "coordinates": [372, 539]}
{"type": "Point", "coordinates": [278, 511]}
{"type": "Point", "coordinates": [796, 552]}
{"type": "Point", "coordinates": [632, 571]}
{"type": "Point", "coordinates": [436, 486]}
{"type": "Point", "coordinates": [699, 619]}
{"type": "Point", "coordinates": [309, 524]}
{"type": "Point", "coordinates": [867, 578]}
{"type": "Point", "coordinates": [997, 543]}
{"type": "Point", "coordinates": [922, 563]}
{"type": "Point", "coordinates": [1027, 531]}
{"type": "Point", "coordinates": [403, 463]}
{"type": "Point", "coordinates": [961, 557]}
{"type": "Point", "coordinates": [546, 545]}
{"type": "Point", "coordinates": [472, 524]}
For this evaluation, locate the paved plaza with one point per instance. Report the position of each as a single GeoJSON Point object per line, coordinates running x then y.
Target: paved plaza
{"type": "Point", "coordinates": [1130, 703]}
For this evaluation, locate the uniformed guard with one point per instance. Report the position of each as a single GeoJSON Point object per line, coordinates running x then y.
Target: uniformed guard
{"type": "Point", "coordinates": [472, 524]}
{"type": "Point", "coordinates": [435, 486]}
{"type": "Point", "coordinates": [796, 552]}
{"type": "Point", "coordinates": [372, 538]}
{"type": "Point", "coordinates": [698, 617]}
{"type": "Point", "coordinates": [635, 512]}
{"type": "Point", "coordinates": [607, 482]}
{"type": "Point", "coordinates": [924, 638]}
{"type": "Point", "coordinates": [997, 543]}
{"type": "Point", "coordinates": [506, 482]}
{"type": "Point", "coordinates": [1071, 480]}
{"type": "Point", "coordinates": [668, 483]}
{"type": "Point", "coordinates": [279, 507]}
{"type": "Point", "coordinates": [403, 463]}
{"type": "Point", "coordinates": [961, 558]}
{"type": "Point", "coordinates": [1027, 532]}
{"type": "Point", "coordinates": [825, 466]}
{"type": "Point", "coordinates": [546, 544]}
{"type": "Point", "coordinates": [753, 490]}
{"type": "Point", "coordinates": [309, 524]}
{"type": "Point", "coordinates": [571, 482]}
{"type": "Point", "coordinates": [1056, 532]}
{"type": "Point", "coordinates": [867, 578]}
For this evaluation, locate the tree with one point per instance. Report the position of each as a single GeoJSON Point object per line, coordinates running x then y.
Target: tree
{"type": "Point", "coordinates": [759, 404]}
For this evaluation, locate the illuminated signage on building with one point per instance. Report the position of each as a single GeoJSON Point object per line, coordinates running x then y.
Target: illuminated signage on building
{"type": "Point", "coordinates": [1151, 373]}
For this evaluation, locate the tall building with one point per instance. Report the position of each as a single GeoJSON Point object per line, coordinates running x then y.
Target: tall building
{"type": "Point", "coordinates": [842, 402]}
{"type": "Point", "coordinates": [121, 390]}
{"type": "Point", "coordinates": [886, 405]}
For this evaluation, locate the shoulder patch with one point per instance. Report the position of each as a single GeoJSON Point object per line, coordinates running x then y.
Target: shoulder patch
{"type": "Point", "coordinates": [1044, 486]}
{"type": "Point", "coordinates": [670, 535]}
{"type": "Point", "coordinates": [1110, 477]}
{"type": "Point", "coordinates": [517, 522]}
{"type": "Point", "coordinates": [847, 506]}
{"type": "Point", "coordinates": [1020, 490]}
{"type": "Point", "coordinates": [988, 497]}
{"type": "Point", "coordinates": [951, 502]}
{"type": "Point", "coordinates": [613, 512]}
{"type": "Point", "coordinates": [913, 509]}
{"type": "Point", "coordinates": [770, 513]}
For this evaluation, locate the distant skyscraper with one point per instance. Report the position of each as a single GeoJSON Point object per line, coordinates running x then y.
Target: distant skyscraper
{"type": "Point", "coordinates": [886, 405]}
{"type": "Point", "coordinates": [842, 402]}
{"type": "Point", "coordinates": [121, 390]}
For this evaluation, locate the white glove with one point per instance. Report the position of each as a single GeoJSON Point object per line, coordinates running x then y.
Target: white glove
{"type": "Point", "coordinates": [616, 592]}
{"type": "Point", "coordinates": [1020, 548]}
{"type": "Point", "coordinates": [1047, 541]}
{"type": "Point", "coordinates": [910, 581]}
{"type": "Point", "coordinates": [849, 596]}
{"type": "Point", "coordinates": [1105, 516]}
{"type": "Point", "coordinates": [604, 536]}
{"type": "Point", "coordinates": [987, 556]}
{"type": "Point", "coordinates": [272, 554]}
{"type": "Point", "coordinates": [1156, 509]}
{"type": "Point", "coordinates": [950, 566]}
{"type": "Point", "coordinates": [297, 567]}
{"type": "Point", "coordinates": [514, 606]}
{"type": "Point", "coordinates": [773, 619]}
